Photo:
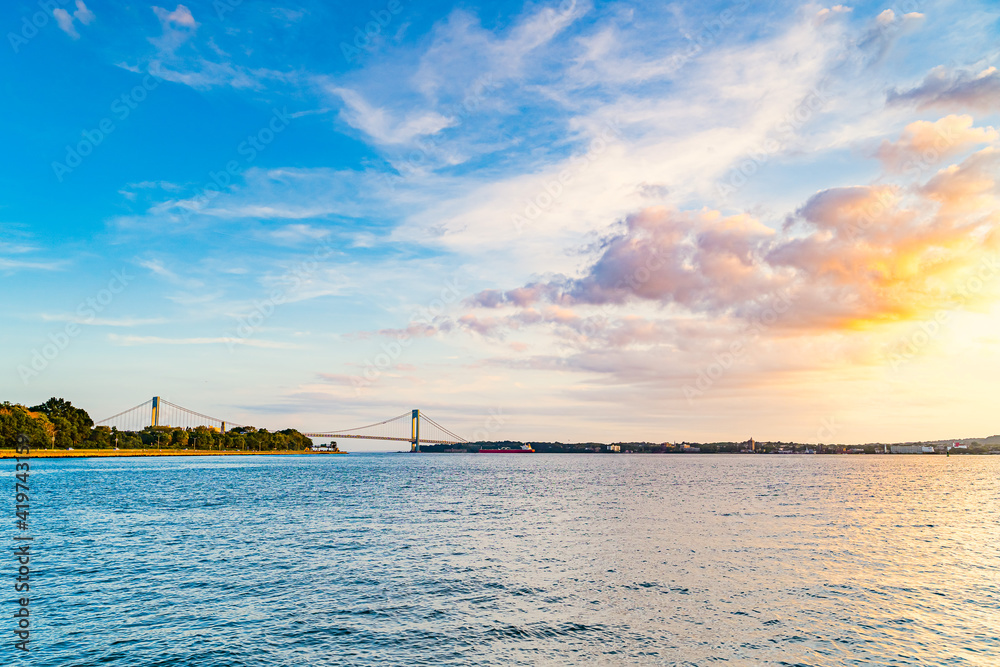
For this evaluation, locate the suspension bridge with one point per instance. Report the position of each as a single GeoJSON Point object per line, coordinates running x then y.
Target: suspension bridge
{"type": "Point", "coordinates": [413, 426]}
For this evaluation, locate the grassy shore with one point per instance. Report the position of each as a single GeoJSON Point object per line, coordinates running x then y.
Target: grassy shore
{"type": "Point", "coordinates": [85, 453]}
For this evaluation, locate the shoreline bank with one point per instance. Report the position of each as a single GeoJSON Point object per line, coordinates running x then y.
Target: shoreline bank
{"type": "Point", "coordinates": [131, 453]}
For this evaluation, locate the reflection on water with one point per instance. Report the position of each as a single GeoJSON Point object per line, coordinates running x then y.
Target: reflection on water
{"type": "Point", "coordinates": [503, 560]}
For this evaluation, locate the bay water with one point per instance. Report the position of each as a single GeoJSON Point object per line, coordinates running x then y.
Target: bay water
{"type": "Point", "coordinates": [477, 559]}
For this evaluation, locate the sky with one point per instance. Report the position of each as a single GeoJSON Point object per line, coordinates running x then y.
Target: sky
{"type": "Point", "coordinates": [574, 221]}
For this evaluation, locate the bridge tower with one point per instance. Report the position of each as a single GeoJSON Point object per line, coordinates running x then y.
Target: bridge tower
{"type": "Point", "coordinates": [415, 431]}
{"type": "Point", "coordinates": [156, 411]}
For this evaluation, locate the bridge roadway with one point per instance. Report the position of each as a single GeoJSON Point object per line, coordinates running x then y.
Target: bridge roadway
{"type": "Point", "coordinates": [337, 436]}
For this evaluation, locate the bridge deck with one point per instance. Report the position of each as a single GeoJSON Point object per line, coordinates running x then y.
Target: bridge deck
{"type": "Point", "coordinates": [382, 437]}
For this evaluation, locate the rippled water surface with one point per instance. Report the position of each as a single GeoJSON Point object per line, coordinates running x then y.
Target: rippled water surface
{"type": "Point", "coordinates": [514, 560]}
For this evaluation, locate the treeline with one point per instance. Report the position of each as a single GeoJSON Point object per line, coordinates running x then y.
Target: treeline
{"type": "Point", "coordinates": [57, 423]}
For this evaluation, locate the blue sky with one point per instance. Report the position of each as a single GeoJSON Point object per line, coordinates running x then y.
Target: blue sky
{"type": "Point", "coordinates": [559, 212]}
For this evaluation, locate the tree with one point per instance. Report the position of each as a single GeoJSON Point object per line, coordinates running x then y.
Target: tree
{"type": "Point", "coordinates": [101, 438]}
{"type": "Point", "coordinates": [72, 424]}
{"type": "Point", "coordinates": [179, 438]}
{"type": "Point", "coordinates": [16, 420]}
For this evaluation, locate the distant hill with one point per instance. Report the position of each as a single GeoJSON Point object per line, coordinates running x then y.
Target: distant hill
{"type": "Point", "coordinates": [991, 440]}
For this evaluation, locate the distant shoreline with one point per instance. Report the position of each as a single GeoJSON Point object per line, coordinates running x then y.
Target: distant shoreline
{"type": "Point", "coordinates": [132, 453]}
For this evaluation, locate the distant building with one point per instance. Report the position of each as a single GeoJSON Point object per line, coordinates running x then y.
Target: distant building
{"type": "Point", "coordinates": [911, 449]}
{"type": "Point", "coordinates": [612, 448]}
{"type": "Point", "coordinates": [959, 445]}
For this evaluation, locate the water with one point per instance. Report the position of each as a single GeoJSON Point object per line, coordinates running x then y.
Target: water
{"type": "Point", "coordinates": [514, 560]}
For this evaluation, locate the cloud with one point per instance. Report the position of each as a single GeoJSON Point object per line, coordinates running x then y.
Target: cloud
{"type": "Point", "coordinates": [178, 28]}
{"type": "Point", "coordinates": [181, 16]}
{"type": "Point", "coordinates": [103, 321]}
{"type": "Point", "coordinates": [851, 257]}
{"type": "Point", "coordinates": [129, 341]}
{"type": "Point", "coordinates": [924, 143]}
{"type": "Point", "coordinates": [294, 234]}
{"type": "Point", "coordinates": [953, 89]}
{"type": "Point", "coordinates": [701, 260]}
{"type": "Point", "coordinates": [16, 248]}
{"type": "Point", "coordinates": [157, 268]}
{"type": "Point", "coordinates": [381, 125]}
{"type": "Point", "coordinates": [885, 30]}
{"type": "Point", "coordinates": [17, 264]}
{"type": "Point", "coordinates": [65, 19]}
{"type": "Point", "coordinates": [462, 51]}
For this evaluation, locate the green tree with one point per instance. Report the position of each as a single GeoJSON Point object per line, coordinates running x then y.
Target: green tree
{"type": "Point", "coordinates": [126, 439]}
{"type": "Point", "coordinates": [17, 419]}
{"type": "Point", "coordinates": [101, 438]}
{"type": "Point", "coordinates": [72, 424]}
{"type": "Point", "coordinates": [202, 437]}
{"type": "Point", "coordinates": [179, 438]}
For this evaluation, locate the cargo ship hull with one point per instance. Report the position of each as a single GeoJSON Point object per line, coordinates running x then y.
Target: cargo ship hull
{"type": "Point", "coordinates": [506, 451]}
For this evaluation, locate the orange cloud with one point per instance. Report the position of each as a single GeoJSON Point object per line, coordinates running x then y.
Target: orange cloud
{"type": "Point", "coordinates": [850, 257]}
{"type": "Point", "coordinates": [924, 144]}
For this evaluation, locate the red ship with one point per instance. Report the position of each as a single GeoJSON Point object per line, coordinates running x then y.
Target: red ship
{"type": "Point", "coordinates": [523, 449]}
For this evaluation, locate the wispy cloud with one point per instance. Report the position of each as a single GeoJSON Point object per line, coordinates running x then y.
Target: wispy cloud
{"type": "Point", "coordinates": [229, 341]}
{"type": "Point", "coordinates": [157, 267]}
{"type": "Point", "coordinates": [945, 88]}
{"type": "Point", "coordinates": [17, 265]}
{"type": "Point", "coordinates": [102, 321]}
{"type": "Point", "coordinates": [381, 125]}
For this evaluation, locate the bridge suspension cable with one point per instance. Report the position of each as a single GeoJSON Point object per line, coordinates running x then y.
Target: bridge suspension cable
{"type": "Point", "coordinates": [123, 412]}
{"type": "Point", "coordinates": [458, 438]}
{"type": "Point", "coordinates": [345, 431]}
{"type": "Point", "coordinates": [414, 427]}
{"type": "Point", "coordinates": [158, 412]}
{"type": "Point", "coordinates": [182, 417]}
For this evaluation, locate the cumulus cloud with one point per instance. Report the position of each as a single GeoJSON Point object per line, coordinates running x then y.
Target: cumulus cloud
{"type": "Point", "coordinates": [950, 89]}
{"type": "Point", "coordinates": [926, 143]}
{"type": "Point", "coordinates": [850, 257]}
{"type": "Point", "coordinates": [179, 17]}
{"type": "Point", "coordinates": [66, 20]}
{"type": "Point", "coordinates": [701, 260]}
